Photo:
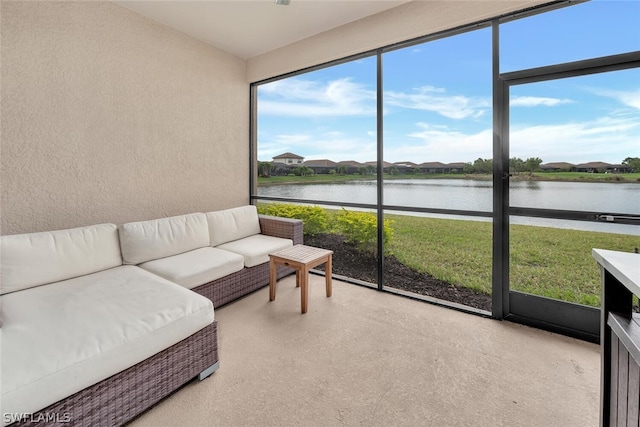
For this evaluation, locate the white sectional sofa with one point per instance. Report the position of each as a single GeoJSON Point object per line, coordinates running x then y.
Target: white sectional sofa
{"type": "Point", "coordinates": [101, 322]}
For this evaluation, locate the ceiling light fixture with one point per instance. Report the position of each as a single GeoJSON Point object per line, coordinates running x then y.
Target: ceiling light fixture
{"type": "Point", "coordinates": [283, 2]}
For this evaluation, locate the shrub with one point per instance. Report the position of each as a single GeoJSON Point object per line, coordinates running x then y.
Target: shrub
{"type": "Point", "coordinates": [303, 171]}
{"type": "Point", "coordinates": [314, 218]}
{"type": "Point", "coordinates": [361, 228]}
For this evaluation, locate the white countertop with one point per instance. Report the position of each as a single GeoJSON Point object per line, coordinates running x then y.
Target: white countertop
{"type": "Point", "coordinates": [624, 266]}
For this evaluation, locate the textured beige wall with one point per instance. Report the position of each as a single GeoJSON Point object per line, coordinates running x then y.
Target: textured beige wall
{"type": "Point", "coordinates": [108, 116]}
{"type": "Point", "coordinates": [415, 19]}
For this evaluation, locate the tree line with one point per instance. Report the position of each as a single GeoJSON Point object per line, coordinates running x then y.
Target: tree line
{"type": "Point", "coordinates": [530, 165]}
{"type": "Point", "coordinates": [516, 165]}
{"type": "Point", "coordinates": [478, 166]}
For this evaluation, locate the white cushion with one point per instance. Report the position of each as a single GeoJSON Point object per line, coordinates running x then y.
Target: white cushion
{"type": "Point", "coordinates": [63, 337]}
{"type": "Point", "coordinates": [159, 238]}
{"type": "Point", "coordinates": [256, 249]}
{"type": "Point", "coordinates": [28, 260]}
{"type": "Point", "coordinates": [233, 224]}
{"type": "Point", "coordinates": [195, 268]}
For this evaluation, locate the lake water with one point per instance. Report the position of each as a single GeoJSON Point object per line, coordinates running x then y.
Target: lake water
{"type": "Point", "coordinates": [464, 194]}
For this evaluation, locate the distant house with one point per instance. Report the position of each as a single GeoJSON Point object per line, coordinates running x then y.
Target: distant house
{"type": "Point", "coordinates": [285, 163]}
{"type": "Point", "coordinates": [457, 167]}
{"type": "Point", "coordinates": [321, 166]}
{"type": "Point", "coordinates": [557, 167]}
{"type": "Point", "coordinates": [288, 159]}
{"type": "Point", "coordinates": [431, 167]}
{"type": "Point", "coordinates": [620, 168]}
{"type": "Point", "coordinates": [437, 167]}
{"type": "Point", "coordinates": [405, 164]}
{"type": "Point", "coordinates": [374, 166]}
{"type": "Point", "coordinates": [594, 167]}
{"type": "Point", "coordinates": [350, 166]}
{"type": "Point", "coordinates": [405, 167]}
{"type": "Point", "coordinates": [603, 167]}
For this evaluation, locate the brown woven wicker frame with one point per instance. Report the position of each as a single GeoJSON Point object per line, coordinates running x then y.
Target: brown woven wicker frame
{"type": "Point", "coordinates": [123, 396]}
{"type": "Point", "coordinates": [249, 279]}
{"type": "Point", "coordinates": [127, 394]}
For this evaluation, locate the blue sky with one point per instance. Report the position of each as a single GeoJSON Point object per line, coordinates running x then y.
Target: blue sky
{"type": "Point", "coordinates": [437, 97]}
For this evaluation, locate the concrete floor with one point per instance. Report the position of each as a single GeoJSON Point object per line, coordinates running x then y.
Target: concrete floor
{"type": "Point", "coordinates": [366, 358]}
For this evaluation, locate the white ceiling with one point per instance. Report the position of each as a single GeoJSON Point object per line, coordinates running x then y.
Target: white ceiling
{"type": "Point", "coordinates": [247, 28]}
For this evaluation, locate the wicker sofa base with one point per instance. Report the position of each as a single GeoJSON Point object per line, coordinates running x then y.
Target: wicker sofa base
{"type": "Point", "coordinates": [239, 284]}
{"type": "Point", "coordinates": [125, 395]}
{"type": "Point", "coordinates": [249, 279]}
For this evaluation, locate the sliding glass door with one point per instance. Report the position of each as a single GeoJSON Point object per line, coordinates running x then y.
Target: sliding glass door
{"type": "Point", "coordinates": [572, 143]}
{"type": "Point", "coordinates": [567, 130]}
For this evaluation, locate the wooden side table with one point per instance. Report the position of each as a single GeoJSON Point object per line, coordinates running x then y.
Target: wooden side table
{"type": "Point", "coordinates": [302, 259]}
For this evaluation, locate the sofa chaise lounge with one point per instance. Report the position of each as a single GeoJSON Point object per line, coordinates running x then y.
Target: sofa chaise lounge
{"type": "Point", "coordinates": [99, 323]}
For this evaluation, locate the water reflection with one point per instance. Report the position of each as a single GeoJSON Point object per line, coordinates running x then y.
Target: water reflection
{"type": "Point", "coordinates": [477, 195]}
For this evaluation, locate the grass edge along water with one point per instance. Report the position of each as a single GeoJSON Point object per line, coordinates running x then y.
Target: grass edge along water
{"type": "Point", "coordinates": [545, 261]}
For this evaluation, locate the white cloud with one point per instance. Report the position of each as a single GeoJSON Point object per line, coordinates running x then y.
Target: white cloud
{"type": "Point", "coordinates": [608, 139]}
{"type": "Point", "coordinates": [628, 98]}
{"type": "Point", "coordinates": [344, 149]}
{"type": "Point", "coordinates": [293, 140]}
{"type": "Point", "coordinates": [535, 101]}
{"type": "Point", "coordinates": [430, 98]}
{"type": "Point", "coordinates": [270, 147]}
{"type": "Point", "coordinates": [334, 134]}
{"type": "Point", "coordinates": [335, 146]}
{"type": "Point", "coordinates": [632, 99]}
{"type": "Point", "coordinates": [305, 98]}
{"type": "Point", "coordinates": [268, 151]}
{"type": "Point", "coordinates": [442, 144]}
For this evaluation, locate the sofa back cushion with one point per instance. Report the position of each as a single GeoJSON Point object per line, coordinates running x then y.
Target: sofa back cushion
{"type": "Point", "coordinates": [233, 224]}
{"type": "Point", "coordinates": [159, 238]}
{"type": "Point", "coordinates": [28, 260]}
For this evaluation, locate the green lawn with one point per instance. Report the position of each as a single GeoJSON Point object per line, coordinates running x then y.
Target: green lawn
{"type": "Point", "coordinates": [457, 252]}
{"type": "Point", "coordinates": [584, 176]}
{"type": "Point", "coordinates": [551, 262]}
{"type": "Point", "coordinates": [545, 261]}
